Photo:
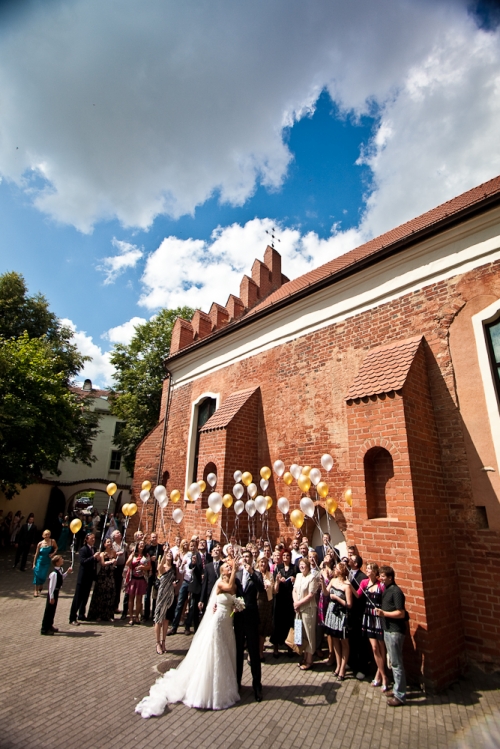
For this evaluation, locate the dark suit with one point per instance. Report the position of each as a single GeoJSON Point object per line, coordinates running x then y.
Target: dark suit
{"type": "Point", "coordinates": [320, 551]}
{"type": "Point", "coordinates": [154, 550]}
{"type": "Point", "coordinates": [25, 538]}
{"type": "Point", "coordinates": [209, 579]}
{"type": "Point", "coordinates": [210, 545]}
{"type": "Point", "coordinates": [86, 576]}
{"type": "Point", "coordinates": [246, 627]}
{"type": "Point", "coordinates": [194, 588]}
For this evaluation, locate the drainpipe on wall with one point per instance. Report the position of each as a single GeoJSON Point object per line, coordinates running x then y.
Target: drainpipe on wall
{"type": "Point", "coordinates": [163, 441]}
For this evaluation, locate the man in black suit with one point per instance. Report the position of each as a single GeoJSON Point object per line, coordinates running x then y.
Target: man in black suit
{"type": "Point", "coordinates": [246, 623]}
{"type": "Point", "coordinates": [88, 555]}
{"type": "Point", "coordinates": [212, 574]}
{"type": "Point", "coordinates": [321, 551]}
{"type": "Point", "coordinates": [359, 646]}
{"type": "Point", "coordinates": [194, 588]}
{"type": "Point", "coordinates": [155, 551]}
{"type": "Point", "coordinates": [26, 538]}
{"type": "Point", "coordinates": [210, 541]}
{"type": "Point", "coordinates": [206, 557]}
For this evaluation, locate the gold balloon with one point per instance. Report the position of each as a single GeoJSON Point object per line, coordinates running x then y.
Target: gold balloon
{"type": "Point", "coordinates": [331, 505]}
{"type": "Point", "coordinates": [297, 518]}
{"type": "Point", "coordinates": [132, 509]}
{"type": "Point", "coordinates": [175, 495]}
{"type": "Point", "coordinates": [75, 525]}
{"type": "Point", "coordinates": [227, 500]}
{"type": "Point", "coordinates": [247, 478]}
{"type": "Point", "coordinates": [304, 482]}
{"type": "Point", "coordinates": [322, 489]}
{"type": "Point", "coordinates": [306, 470]}
{"type": "Point", "coordinates": [111, 489]}
{"type": "Point", "coordinates": [146, 485]}
{"type": "Point", "coordinates": [269, 501]}
{"type": "Point", "coordinates": [124, 509]}
{"type": "Point", "coordinates": [265, 472]}
{"type": "Point", "coordinates": [202, 485]}
{"type": "Point", "coordinates": [288, 478]}
{"type": "Point", "coordinates": [348, 497]}
{"type": "Point", "coordinates": [212, 516]}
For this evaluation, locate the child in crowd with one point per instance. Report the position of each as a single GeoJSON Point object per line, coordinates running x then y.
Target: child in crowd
{"type": "Point", "coordinates": [56, 578]}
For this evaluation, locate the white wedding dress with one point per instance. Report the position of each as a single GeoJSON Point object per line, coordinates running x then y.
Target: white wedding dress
{"type": "Point", "coordinates": [206, 678]}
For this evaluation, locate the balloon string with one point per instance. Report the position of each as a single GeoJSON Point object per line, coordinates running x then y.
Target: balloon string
{"type": "Point", "coordinates": [73, 551]}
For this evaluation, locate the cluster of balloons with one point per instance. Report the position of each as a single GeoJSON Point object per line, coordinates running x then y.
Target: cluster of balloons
{"type": "Point", "coordinates": [129, 509]}
{"type": "Point", "coordinates": [256, 502]}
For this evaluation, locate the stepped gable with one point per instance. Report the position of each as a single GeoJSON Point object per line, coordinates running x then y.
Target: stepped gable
{"type": "Point", "coordinates": [228, 410]}
{"type": "Point", "coordinates": [257, 300]}
{"type": "Point", "coordinates": [384, 369]}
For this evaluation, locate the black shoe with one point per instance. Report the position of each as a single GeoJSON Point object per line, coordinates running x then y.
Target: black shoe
{"type": "Point", "coordinates": [82, 618]}
{"type": "Point", "coordinates": [124, 616]}
{"type": "Point", "coordinates": [75, 622]}
{"type": "Point", "coordinates": [54, 629]}
{"type": "Point", "coordinates": [258, 695]}
{"type": "Point", "coordinates": [46, 632]}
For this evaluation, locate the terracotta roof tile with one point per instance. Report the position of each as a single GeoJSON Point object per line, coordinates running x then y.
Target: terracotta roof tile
{"type": "Point", "coordinates": [384, 369]}
{"type": "Point", "coordinates": [228, 410]}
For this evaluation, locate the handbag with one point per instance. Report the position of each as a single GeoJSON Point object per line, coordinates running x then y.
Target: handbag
{"type": "Point", "coordinates": [298, 630]}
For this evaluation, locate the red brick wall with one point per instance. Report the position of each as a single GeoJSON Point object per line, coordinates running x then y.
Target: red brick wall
{"type": "Point", "coordinates": [434, 544]}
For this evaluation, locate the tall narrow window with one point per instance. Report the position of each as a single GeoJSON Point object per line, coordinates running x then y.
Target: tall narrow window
{"type": "Point", "coordinates": [379, 471]}
{"type": "Point", "coordinates": [205, 410]}
{"type": "Point", "coordinates": [116, 460]}
{"type": "Point", "coordinates": [493, 340]}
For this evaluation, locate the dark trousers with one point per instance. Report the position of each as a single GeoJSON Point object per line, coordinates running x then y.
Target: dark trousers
{"type": "Point", "coordinates": [50, 612]}
{"type": "Point", "coordinates": [360, 652]}
{"type": "Point", "coordinates": [150, 602]}
{"type": "Point", "coordinates": [193, 616]}
{"type": "Point", "coordinates": [183, 594]}
{"type": "Point", "coordinates": [246, 629]}
{"type": "Point", "coordinates": [22, 552]}
{"type": "Point", "coordinates": [80, 599]}
{"type": "Point", "coordinates": [118, 579]}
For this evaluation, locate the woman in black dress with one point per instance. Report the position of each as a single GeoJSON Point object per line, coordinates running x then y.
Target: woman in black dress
{"type": "Point", "coordinates": [336, 619]}
{"type": "Point", "coordinates": [371, 590]}
{"type": "Point", "coordinates": [102, 605]}
{"type": "Point", "coordinates": [284, 613]}
{"type": "Point", "coordinates": [166, 598]}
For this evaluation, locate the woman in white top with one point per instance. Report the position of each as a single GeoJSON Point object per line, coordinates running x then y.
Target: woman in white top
{"type": "Point", "coordinates": [304, 603]}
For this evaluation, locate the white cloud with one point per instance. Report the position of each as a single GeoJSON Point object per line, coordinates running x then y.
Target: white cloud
{"type": "Point", "coordinates": [206, 272]}
{"type": "Point", "coordinates": [132, 109]}
{"type": "Point", "coordinates": [124, 333]}
{"type": "Point", "coordinates": [99, 370]}
{"type": "Point", "coordinates": [115, 265]}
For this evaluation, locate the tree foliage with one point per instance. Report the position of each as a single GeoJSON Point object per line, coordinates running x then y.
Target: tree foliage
{"type": "Point", "coordinates": [41, 419]}
{"type": "Point", "coordinates": [139, 377]}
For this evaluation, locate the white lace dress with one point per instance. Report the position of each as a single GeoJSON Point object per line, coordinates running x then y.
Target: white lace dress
{"type": "Point", "coordinates": [206, 678]}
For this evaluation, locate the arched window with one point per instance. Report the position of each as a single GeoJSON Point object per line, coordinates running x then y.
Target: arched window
{"type": "Point", "coordinates": [209, 468]}
{"type": "Point", "coordinates": [379, 470]}
{"type": "Point", "coordinates": [493, 341]}
{"type": "Point", "coordinates": [205, 410]}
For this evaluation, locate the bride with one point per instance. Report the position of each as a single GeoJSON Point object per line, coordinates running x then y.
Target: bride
{"type": "Point", "coordinates": [206, 678]}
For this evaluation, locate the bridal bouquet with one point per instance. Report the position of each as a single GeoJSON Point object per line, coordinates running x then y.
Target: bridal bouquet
{"type": "Point", "coordinates": [238, 605]}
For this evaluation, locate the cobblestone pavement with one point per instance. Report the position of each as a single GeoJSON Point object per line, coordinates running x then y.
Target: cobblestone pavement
{"type": "Point", "coordinates": [80, 688]}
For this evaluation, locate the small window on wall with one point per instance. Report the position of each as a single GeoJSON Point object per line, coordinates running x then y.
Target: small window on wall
{"type": "Point", "coordinates": [379, 470]}
{"type": "Point", "coordinates": [116, 460]}
{"type": "Point", "coordinates": [493, 341]}
{"type": "Point", "coordinates": [118, 428]}
{"type": "Point", "coordinates": [206, 409]}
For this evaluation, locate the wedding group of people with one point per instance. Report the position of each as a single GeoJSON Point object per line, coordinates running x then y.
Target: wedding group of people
{"type": "Point", "coordinates": [294, 596]}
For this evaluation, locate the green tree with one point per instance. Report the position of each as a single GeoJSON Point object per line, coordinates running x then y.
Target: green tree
{"type": "Point", "coordinates": [139, 377]}
{"type": "Point", "coordinates": [41, 419]}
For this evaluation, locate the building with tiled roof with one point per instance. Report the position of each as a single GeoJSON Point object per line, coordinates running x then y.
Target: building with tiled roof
{"type": "Point", "coordinates": [388, 359]}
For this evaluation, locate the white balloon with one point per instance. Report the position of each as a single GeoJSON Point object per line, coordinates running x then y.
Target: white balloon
{"type": "Point", "coordinates": [238, 507]}
{"type": "Point", "coordinates": [237, 476]}
{"type": "Point", "coordinates": [261, 504]}
{"type": "Point", "coordinates": [295, 470]}
{"type": "Point", "coordinates": [252, 490]}
{"type": "Point", "coordinates": [238, 491]}
{"type": "Point", "coordinates": [144, 495]}
{"type": "Point", "coordinates": [177, 515]}
{"type": "Point", "coordinates": [215, 502]}
{"type": "Point", "coordinates": [315, 476]}
{"type": "Point", "coordinates": [163, 502]}
{"type": "Point", "coordinates": [212, 479]}
{"type": "Point", "coordinates": [279, 467]}
{"type": "Point", "coordinates": [159, 492]}
{"type": "Point", "coordinates": [327, 462]}
{"type": "Point", "coordinates": [250, 507]}
{"type": "Point", "coordinates": [194, 492]}
{"type": "Point", "coordinates": [264, 483]}
{"type": "Point", "coordinates": [307, 506]}
{"type": "Point", "coordinates": [283, 505]}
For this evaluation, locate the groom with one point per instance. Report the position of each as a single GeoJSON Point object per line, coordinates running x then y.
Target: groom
{"type": "Point", "coordinates": [246, 623]}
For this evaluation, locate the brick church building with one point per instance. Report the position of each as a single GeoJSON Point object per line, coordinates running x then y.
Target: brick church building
{"type": "Point", "coordinates": [387, 358]}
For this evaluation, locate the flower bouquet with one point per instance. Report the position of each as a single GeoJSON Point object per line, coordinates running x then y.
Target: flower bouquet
{"type": "Point", "coordinates": [238, 605]}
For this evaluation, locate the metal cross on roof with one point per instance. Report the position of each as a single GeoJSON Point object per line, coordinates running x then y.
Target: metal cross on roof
{"type": "Point", "coordinates": [273, 236]}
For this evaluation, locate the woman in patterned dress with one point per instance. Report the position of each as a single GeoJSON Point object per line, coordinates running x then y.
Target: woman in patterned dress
{"type": "Point", "coordinates": [336, 619]}
{"type": "Point", "coordinates": [168, 578]}
{"type": "Point", "coordinates": [371, 589]}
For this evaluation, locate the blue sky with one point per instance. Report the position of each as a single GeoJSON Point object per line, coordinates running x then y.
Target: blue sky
{"type": "Point", "coordinates": [144, 153]}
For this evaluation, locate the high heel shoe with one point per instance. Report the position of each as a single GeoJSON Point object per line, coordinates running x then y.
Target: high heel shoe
{"type": "Point", "coordinates": [376, 683]}
{"type": "Point", "coordinates": [163, 648]}
{"type": "Point", "coordinates": [159, 650]}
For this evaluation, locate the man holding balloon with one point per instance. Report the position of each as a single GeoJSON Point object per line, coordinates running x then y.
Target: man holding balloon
{"type": "Point", "coordinates": [88, 556]}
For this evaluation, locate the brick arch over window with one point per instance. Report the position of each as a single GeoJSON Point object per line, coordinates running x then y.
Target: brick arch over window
{"type": "Point", "coordinates": [379, 472]}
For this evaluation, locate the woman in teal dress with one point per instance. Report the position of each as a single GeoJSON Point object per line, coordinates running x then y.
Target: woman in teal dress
{"type": "Point", "coordinates": [64, 537]}
{"type": "Point", "coordinates": [41, 561]}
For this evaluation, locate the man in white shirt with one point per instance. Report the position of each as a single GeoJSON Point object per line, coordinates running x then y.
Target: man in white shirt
{"type": "Point", "coordinates": [236, 548]}
{"type": "Point", "coordinates": [296, 555]}
{"type": "Point", "coordinates": [175, 548]}
{"type": "Point", "coordinates": [187, 576]}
